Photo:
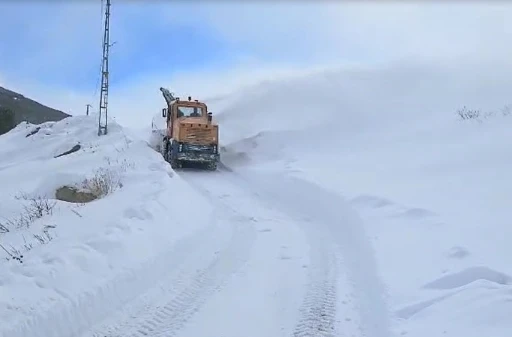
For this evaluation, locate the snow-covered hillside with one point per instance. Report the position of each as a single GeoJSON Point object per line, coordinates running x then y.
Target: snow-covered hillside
{"type": "Point", "coordinates": [82, 261]}
{"type": "Point", "coordinates": [433, 190]}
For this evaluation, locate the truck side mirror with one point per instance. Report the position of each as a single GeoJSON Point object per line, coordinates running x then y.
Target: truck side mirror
{"type": "Point", "coordinates": [164, 112]}
{"type": "Point", "coordinates": [209, 116]}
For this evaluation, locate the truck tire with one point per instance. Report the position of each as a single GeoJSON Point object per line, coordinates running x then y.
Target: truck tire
{"type": "Point", "coordinates": [211, 166]}
{"type": "Point", "coordinates": [165, 149]}
{"type": "Point", "coordinates": [175, 163]}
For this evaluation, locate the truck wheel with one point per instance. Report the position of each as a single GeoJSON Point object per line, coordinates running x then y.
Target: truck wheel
{"type": "Point", "coordinates": [176, 164]}
{"type": "Point", "coordinates": [165, 150]}
{"type": "Point", "coordinates": [211, 166]}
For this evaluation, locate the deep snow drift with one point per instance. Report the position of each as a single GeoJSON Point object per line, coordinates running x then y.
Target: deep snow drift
{"type": "Point", "coordinates": [433, 190]}
{"type": "Point", "coordinates": [82, 261]}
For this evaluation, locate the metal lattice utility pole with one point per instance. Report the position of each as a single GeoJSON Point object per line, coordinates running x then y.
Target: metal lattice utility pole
{"type": "Point", "coordinates": [87, 111]}
{"type": "Point", "coordinates": [103, 110]}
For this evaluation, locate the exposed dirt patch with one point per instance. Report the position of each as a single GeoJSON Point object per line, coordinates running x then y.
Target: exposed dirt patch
{"type": "Point", "coordinates": [72, 194]}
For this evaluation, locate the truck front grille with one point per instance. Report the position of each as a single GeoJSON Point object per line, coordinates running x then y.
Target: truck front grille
{"type": "Point", "coordinates": [198, 148]}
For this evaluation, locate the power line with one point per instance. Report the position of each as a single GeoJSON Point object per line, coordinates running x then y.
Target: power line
{"type": "Point", "coordinates": [103, 110]}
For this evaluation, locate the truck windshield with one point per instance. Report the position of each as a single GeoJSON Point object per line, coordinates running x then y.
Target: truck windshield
{"type": "Point", "coordinates": [189, 111]}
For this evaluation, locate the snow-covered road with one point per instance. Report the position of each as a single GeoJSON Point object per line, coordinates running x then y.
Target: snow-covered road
{"type": "Point", "coordinates": [275, 260]}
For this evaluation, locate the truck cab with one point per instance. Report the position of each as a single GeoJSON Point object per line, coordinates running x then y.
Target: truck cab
{"type": "Point", "coordinates": [192, 135]}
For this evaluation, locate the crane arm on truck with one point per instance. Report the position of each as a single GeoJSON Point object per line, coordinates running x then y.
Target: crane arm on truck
{"type": "Point", "coordinates": [168, 96]}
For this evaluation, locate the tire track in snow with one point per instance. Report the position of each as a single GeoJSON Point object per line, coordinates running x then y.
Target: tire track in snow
{"type": "Point", "coordinates": [169, 318]}
{"type": "Point", "coordinates": [166, 308]}
{"type": "Point", "coordinates": [279, 261]}
{"type": "Point", "coordinates": [318, 310]}
{"type": "Point", "coordinates": [332, 224]}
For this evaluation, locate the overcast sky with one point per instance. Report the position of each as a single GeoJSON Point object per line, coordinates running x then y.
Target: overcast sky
{"type": "Point", "coordinates": [51, 50]}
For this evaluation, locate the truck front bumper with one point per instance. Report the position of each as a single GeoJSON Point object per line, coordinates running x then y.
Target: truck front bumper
{"type": "Point", "coordinates": [197, 156]}
{"type": "Point", "coordinates": [197, 153]}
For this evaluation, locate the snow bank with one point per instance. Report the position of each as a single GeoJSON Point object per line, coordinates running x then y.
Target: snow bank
{"type": "Point", "coordinates": [432, 189]}
{"type": "Point", "coordinates": [79, 262]}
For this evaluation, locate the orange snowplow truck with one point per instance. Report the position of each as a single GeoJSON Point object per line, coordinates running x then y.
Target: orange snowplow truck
{"type": "Point", "coordinates": [191, 134]}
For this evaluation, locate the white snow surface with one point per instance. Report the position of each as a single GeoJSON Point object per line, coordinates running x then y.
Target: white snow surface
{"type": "Point", "coordinates": [432, 191]}
{"type": "Point", "coordinates": [102, 252]}
{"type": "Point", "coordinates": [333, 215]}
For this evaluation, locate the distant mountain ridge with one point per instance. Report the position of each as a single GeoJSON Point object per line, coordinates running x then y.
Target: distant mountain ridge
{"type": "Point", "coordinates": [26, 109]}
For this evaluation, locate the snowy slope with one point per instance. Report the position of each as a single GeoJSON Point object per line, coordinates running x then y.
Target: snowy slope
{"type": "Point", "coordinates": [162, 255]}
{"type": "Point", "coordinates": [432, 191]}
{"type": "Point", "coordinates": [96, 256]}
{"type": "Point", "coordinates": [354, 203]}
